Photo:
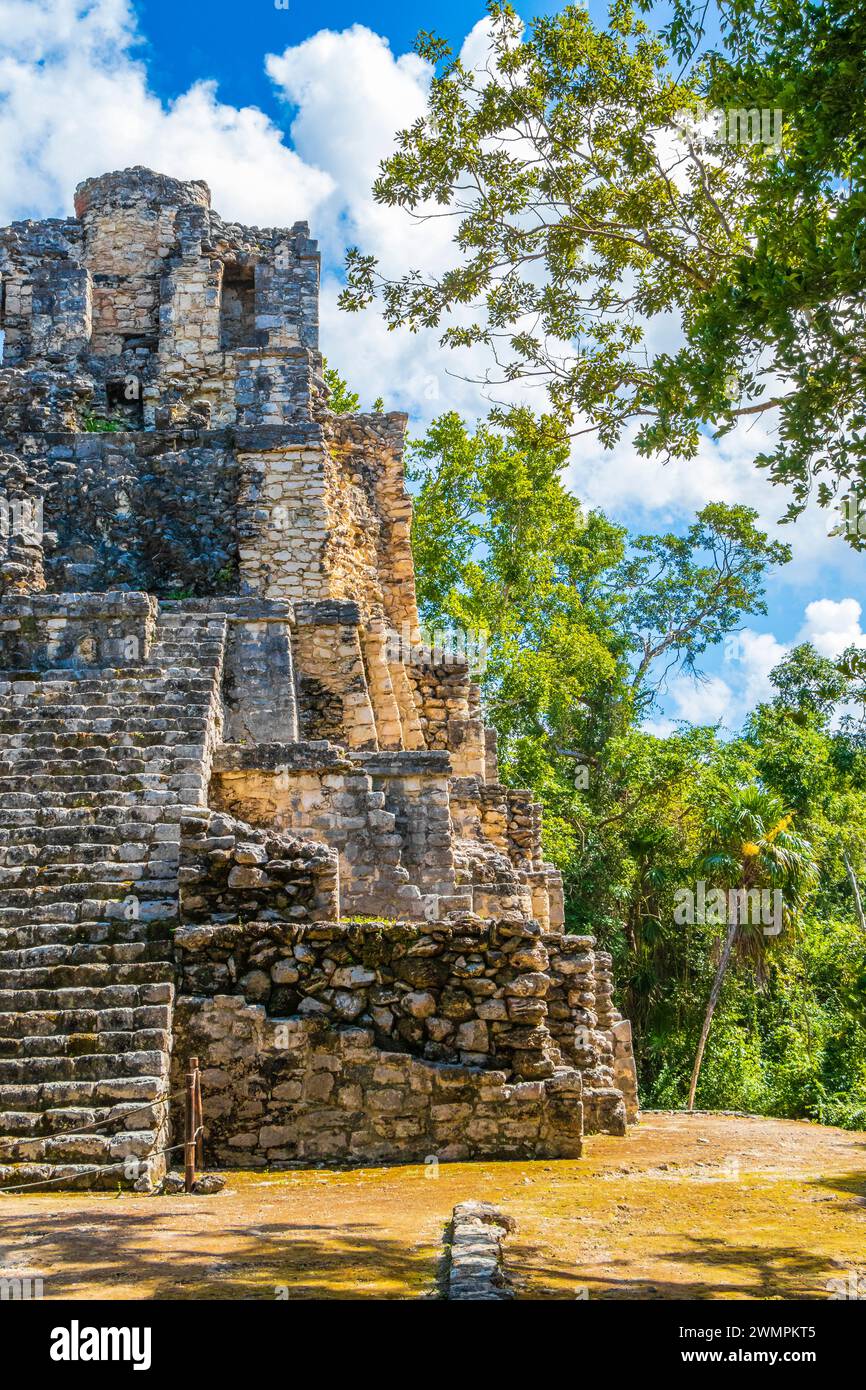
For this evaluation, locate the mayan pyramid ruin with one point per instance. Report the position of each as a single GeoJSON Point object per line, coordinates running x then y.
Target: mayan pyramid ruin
{"type": "Point", "coordinates": [245, 813]}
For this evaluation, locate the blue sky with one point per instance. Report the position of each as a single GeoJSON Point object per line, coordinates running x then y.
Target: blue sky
{"type": "Point", "coordinates": [286, 113]}
{"type": "Point", "coordinates": [191, 39]}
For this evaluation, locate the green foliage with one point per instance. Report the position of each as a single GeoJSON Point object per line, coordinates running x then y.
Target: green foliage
{"type": "Point", "coordinates": [98, 424]}
{"type": "Point", "coordinates": [342, 401]}
{"type": "Point", "coordinates": [586, 200]}
{"type": "Point", "coordinates": [582, 624]}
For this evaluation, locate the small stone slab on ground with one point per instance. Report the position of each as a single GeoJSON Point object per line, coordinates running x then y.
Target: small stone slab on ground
{"type": "Point", "coordinates": [476, 1269]}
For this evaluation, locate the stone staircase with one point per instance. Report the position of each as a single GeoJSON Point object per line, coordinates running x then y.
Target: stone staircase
{"type": "Point", "coordinates": [97, 766]}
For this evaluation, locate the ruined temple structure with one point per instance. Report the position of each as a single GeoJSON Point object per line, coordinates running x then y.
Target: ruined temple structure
{"type": "Point", "coordinates": [245, 813]}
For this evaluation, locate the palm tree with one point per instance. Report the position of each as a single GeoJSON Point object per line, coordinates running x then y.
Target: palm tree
{"type": "Point", "coordinates": [751, 846]}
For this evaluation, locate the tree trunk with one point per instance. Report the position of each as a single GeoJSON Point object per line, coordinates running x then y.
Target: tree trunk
{"type": "Point", "coordinates": [711, 1006]}
{"type": "Point", "coordinates": [855, 889]}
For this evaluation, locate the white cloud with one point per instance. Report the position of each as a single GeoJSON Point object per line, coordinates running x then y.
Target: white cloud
{"type": "Point", "coordinates": [832, 625]}
{"type": "Point", "coordinates": [352, 95]}
{"type": "Point", "coordinates": [749, 657]}
{"type": "Point", "coordinates": [758, 653]}
{"type": "Point", "coordinates": [75, 102]}
{"type": "Point", "coordinates": [708, 701]}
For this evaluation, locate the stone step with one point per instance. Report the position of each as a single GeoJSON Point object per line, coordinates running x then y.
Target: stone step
{"type": "Point", "coordinates": [77, 1119]}
{"type": "Point", "coordinates": [73, 1045]}
{"type": "Point", "coordinates": [60, 743]}
{"type": "Point", "coordinates": [141, 680]}
{"type": "Point", "coordinates": [70, 863]}
{"type": "Point", "coordinates": [131, 907]}
{"type": "Point", "coordinates": [100, 800]}
{"type": "Point", "coordinates": [93, 1066]}
{"type": "Point", "coordinates": [119, 930]}
{"type": "Point", "coordinates": [111, 1094]}
{"type": "Point", "coordinates": [86, 890]}
{"type": "Point", "coordinates": [80, 762]}
{"type": "Point", "coordinates": [82, 953]}
{"type": "Point", "coordinates": [110, 817]}
{"type": "Point", "coordinates": [27, 981]}
{"type": "Point", "coordinates": [63, 784]}
{"type": "Point", "coordinates": [64, 1022]}
{"type": "Point", "coordinates": [97, 996]}
{"type": "Point", "coordinates": [78, 704]}
{"type": "Point", "coordinates": [61, 1177]}
{"type": "Point", "coordinates": [54, 864]}
{"type": "Point", "coordinates": [82, 1148]}
{"type": "Point", "coordinates": [38, 723]}
{"type": "Point", "coordinates": [77, 708]}
{"type": "Point", "coordinates": [88, 835]}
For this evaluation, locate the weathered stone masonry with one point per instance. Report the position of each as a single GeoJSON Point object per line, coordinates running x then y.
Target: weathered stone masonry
{"type": "Point", "coordinates": [244, 812]}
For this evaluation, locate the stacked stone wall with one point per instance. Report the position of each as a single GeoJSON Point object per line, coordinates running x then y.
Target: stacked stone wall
{"type": "Point", "coordinates": [290, 1092]}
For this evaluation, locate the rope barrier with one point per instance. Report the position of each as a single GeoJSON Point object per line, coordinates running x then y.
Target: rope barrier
{"type": "Point", "coordinates": [97, 1168]}
{"type": "Point", "coordinates": [191, 1144]}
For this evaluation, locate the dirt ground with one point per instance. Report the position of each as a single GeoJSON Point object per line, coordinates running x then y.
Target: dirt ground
{"type": "Point", "coordinates": [702, 1206]}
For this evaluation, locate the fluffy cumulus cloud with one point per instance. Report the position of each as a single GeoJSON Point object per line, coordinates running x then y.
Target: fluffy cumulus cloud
{"type": "Point", "coordinates": [748, 657]}
{"type": "Point", "coordinates": [75, 101]}
{"type": "Point", "coordinates": [832, 625]}
{"type": "Point", "coordinates": [351, 93]}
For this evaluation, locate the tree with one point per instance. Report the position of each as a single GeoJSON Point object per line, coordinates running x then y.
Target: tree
{"type": "Point", "coordinates": [752, 846]}
{"type": "Point", "coordinates": [583, 624]}
{"type": "Point", "coordinates": [585, 202]}
{"type": "Point", "coordinates": [504, 551]}
{"type": "Point", "coordinates": [816, 755]}
{"type": "Point", "coordinates": [682, 594]}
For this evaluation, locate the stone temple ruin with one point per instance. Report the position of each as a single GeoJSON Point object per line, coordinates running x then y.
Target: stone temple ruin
{"type": "Point", "coordinates": [245, 813]}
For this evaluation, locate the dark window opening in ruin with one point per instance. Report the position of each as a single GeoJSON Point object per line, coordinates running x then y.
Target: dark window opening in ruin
{"type": "Point", "coordinates": [124, 400]}
{"type": "Point", "coordinates": [238, 307]}
{"type": "Point", "coordinates": [139, 342]}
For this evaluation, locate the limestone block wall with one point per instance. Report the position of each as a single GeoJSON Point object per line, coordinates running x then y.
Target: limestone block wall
{"type": "Point", "coordinates": [524, 828]}
{"type": "Point", "coordinates": [581, 1021]}
{"type": "Point", "coordinates": [22, 529]}
{"type": "Point", "coordinates": [458, 991]}
{"type": "Point", "coordinates": [50, 631]}
{"type": "Point", "coordinates": [395, 726]}
{"type": "Point", "coordinates": [283, 521]}
{"type": "Point", "coordinates": [128, 225]}
{"type": "Point", "coordinates": [416, 793]}
{"type": "Point", "coordinates": [61, 309]}
{"type": "Point", "coordinates": [259, 696]}
{"type": "Point", "coordinates": [288, 1092]}
{"type": "Point", "coordinates": [315, 791]}
{"type": "Point", "coordinates": [333, 693]}
{"type": "Point", "coordinates": [154, 512]}
{"type": "Point", "coordinates": [26, 250]}
{"type": "Point", "coordinates": [448, 708]}
{"type": "Point", "coordinates": [371, 516]}
{"type": "Point", "coordinates": [229, 870]}
{"type": "Point", "coordinates": [54, 398]}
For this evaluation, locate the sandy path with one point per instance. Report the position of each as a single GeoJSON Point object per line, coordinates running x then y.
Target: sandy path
{"type": "Point", "coordinates": [684, 1207]}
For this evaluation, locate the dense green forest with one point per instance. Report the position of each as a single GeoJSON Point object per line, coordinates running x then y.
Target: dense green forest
{"type": "Point", "coordinates": [587, 196]}
{"type": "Point", "coordinates": [582, 622]}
